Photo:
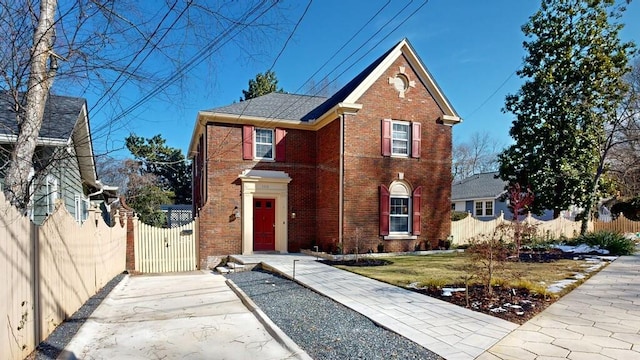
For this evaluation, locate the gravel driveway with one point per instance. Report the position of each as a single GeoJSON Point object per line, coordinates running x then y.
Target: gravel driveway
{"type": "Point", "coordinates": [322, 327]}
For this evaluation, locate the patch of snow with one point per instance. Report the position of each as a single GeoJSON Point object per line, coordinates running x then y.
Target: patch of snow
{"type": "Point", "coordinates": [414, 285]}
{"type": "Point", "coordinates": [560, 285]}
{"type": "Point", "coordinates": [450, 291]}
{"type": "Point", "coordinates": [498, 310]}
{"type": "Point", "coordinates": [581, 249]}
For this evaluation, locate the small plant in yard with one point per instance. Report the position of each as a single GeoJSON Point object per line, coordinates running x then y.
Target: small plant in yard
{"type": "Point", "coordinates": [519, 202]}
{"type": "Point", "coordinates": [489, 253]}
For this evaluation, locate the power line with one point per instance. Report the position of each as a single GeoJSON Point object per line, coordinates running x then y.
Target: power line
{"type": "Point", "coordinates": [196, 59]}
{"type": "Point", "coordinates": [291, 35]}
{"type": "Point", "coordinates": [493, 93]}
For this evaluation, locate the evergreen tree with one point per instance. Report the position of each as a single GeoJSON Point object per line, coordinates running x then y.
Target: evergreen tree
{"type": "Point", "coordinates": [263, 84]}
{"type": "Point", "coordinates": [573, 74]}
{"type": "Point", "coordinates": [171, 169]}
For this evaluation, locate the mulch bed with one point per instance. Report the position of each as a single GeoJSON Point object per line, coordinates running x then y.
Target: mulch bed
{"type": "Point", "coordinates": [364, 261]}
{"type": "Point", "coordinates": [515, 305]}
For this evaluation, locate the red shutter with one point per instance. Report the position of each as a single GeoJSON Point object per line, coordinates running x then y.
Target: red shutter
{"type": "Point", "coordinates": [280, 144]}
{"type": "Point", "coordinates": [384, 210]}
{"type": "Point", "coordinates": [386, 137]}
{"type": "Point", "coordinates": [416, 137]}
{"type": "Point", "coordinates": [417, 202]}
{"type": "Point", "coordinates": [247, 142]}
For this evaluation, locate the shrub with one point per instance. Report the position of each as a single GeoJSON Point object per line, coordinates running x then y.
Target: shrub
{"type": "Point", "coordinates": [616, 243]}
{"type": "Point", "coordinates": [458, 215]}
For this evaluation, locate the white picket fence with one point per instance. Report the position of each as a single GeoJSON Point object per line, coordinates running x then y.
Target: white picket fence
{"type": "Point", "coordinates": [463, 231]}
{"type": "Point", "coordinates": [162, 250]}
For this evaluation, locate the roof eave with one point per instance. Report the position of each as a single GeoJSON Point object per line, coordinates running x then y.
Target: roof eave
{"type": "Point", "coordinates": [208, 117]}
{"type": "Point", "coordinates": [450, 116]}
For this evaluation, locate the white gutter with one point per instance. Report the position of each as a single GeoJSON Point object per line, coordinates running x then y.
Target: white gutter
{"type": "Point", "coordinates": [11, 139]}
{"type": "Point", "coordinates": [100, 191]}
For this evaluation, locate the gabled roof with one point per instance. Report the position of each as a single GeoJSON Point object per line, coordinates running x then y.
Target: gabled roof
{"type": "Point", "coordinates": [274, 105]}
{"type": "Point", "coordinates": [62, 110]}
{"type": "Point", "coordinates": [65, 119]}
{"type": "Point", "coordinates": [313, 112]}
{"type": "Point", "coordinates": [478, 186]}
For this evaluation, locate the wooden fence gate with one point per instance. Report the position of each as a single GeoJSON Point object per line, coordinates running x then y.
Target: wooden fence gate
{"type": "Point", "coordinates": [161, 250]}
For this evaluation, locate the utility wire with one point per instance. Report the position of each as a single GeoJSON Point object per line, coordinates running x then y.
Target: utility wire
{"type": "Point", "coordinates": [195, 60]}
{"type": "Point", "coordinates": [493, 94]}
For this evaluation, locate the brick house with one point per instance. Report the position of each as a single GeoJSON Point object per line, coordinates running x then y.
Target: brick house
{"type": "Point", "coordinates": [370, 165]}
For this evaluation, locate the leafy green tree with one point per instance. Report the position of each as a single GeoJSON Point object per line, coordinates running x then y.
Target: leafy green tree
{"type": "Point", "coordinates": [263, 84]}
{"type": "Point", "coordinates": [144, 195]}
{"type": "Point", "coordinates": [172, 170]}
{"type": "Point", "coordinates": [573, 87]}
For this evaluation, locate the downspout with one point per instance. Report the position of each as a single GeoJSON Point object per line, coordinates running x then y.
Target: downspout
{"type": "Point", "coordinates": [341, 185]}
{"type": "Point", "coordinates": [100, 191]}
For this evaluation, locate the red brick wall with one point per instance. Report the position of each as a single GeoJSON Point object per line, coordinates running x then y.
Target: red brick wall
{"type": "Point", "coordinates": [366, 169]}
{"type": "Point", "coordinates": [219, 234]}
{"type": "Point", "coordinates": [327, 213]}
{"type": "Point", "coordinates": [312, 161]}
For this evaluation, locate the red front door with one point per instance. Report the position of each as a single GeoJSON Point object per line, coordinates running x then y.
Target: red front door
{"type": "Point", "coordinates": [264, 224]}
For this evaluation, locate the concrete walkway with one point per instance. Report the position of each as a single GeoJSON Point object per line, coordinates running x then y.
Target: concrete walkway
{"type": "Point", "coordinates": [186, 316]}
{"type": "Point", "coordinates": [450, 331]}
{"type": "Point", "coordinates": [598, 320]}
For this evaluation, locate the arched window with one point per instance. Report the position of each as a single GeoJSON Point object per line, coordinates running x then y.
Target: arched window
{"type": "Point", "coordinates": [400, 209]}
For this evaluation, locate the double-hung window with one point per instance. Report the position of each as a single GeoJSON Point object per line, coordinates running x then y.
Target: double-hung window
{"type": "Point", "coordinates": [399, 215]}
{"type": "Point", "coordinates": [52, 193]}
{"type": "Point", "coordinates": [264, 144]}
{"type": "Point", "coordinates": [81, 208]}
{"type": "Point", "coordinates": [400, 210]}
{"type": "Point", "coordinates": [484, 208]}
{"type": "Point", "coordinates": [400, 138]}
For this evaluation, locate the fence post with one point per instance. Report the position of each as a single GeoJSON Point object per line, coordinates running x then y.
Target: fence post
{"type": "Point", "coordinates": [36, 279]}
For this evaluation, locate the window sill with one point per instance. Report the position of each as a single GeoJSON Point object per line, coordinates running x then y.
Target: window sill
{"type": "Point", "coordinates": [400, 237]}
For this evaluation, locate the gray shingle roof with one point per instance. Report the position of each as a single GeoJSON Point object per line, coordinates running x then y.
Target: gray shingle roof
{"type": "Point", "coordinates": [484, 185]}
{"type": "Point", "coordinates": [274, 105]}
{"type": "Point", "coordinates": [296, 107]}
{"type": "Point", "coordinates": [60, 116]}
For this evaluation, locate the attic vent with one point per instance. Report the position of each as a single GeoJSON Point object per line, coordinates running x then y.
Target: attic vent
{"type": "Point", "coordinates": [401, 82]}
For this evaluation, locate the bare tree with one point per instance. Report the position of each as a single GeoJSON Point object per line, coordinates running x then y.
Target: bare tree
{"type": "Point", "coordinates": [624, 157]}
{"type": "Point", "coordinates": [324, 87]}
{"type": "Point", "coordinates": [479, 154]}
{"type": "Point", "coordinates": [620, 147]}
{"type": "Point", "coordinates": [102, 46]}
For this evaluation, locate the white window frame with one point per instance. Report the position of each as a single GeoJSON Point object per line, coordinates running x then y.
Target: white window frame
{"type": "Point", "coordinates": [51, 187]}
{"type": "Point", "coordinates": [400, 190]}
{"type": "Point", "coordinates": [395, 139]}
{"type": "Point", "coordinates": [256, 143]}
{"type": "Point", "coordinates": [483, 208]}
{"type": "Point", "coordinates": [81, 208]}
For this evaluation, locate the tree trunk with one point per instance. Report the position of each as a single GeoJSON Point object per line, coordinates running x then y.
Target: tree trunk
{"type": "Point", "coordinates": [591, 201]}
{"type": "Point", "coordinates": [42, 70]}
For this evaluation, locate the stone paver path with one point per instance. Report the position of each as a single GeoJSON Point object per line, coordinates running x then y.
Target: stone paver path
{"type": "Point", "coordinates": [448, 330]}
{"type": "Point", "coordinates": [598, 320]}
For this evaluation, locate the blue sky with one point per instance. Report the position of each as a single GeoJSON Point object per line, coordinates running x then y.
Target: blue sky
{"type": "Point", "coordinates": [472, 48]}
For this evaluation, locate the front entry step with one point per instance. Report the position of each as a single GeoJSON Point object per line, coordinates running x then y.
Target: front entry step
{"type": "Point", "coordinates": [230, 268]}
